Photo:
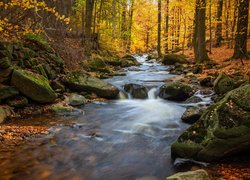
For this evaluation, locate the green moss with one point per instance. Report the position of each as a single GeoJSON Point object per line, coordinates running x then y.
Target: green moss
{"type": "Point", "coordinates": [185, 149]}
{"type": "Point", "coordinates": [171, 59]}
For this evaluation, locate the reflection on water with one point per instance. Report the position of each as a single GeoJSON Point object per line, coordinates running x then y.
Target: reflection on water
{"type": "Point", "coordinates": [118, 140]}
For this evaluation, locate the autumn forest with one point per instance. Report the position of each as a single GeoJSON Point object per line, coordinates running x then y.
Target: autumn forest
{"type": "Point", "coordinates": [125, 89]}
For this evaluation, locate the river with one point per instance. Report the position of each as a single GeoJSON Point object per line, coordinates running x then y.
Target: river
{"type": "Point", "coordinates": [124, 139]}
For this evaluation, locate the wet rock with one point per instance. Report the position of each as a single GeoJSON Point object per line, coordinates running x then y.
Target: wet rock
{"type": "Point", "coordinates": [17, 101]}
{"type": "Point", "coordinates": [7, 92]}
{"type": "Point", "coordinates": [190, 175]}
{"type": "Point", "coordinates": [137, 91]}
{"type": "Point", "coordinates": [223, 84]}
{"type": "Point", "coordinates": [171, 59]}
{"type": "Point", "coordinates": [193, 99]}
{"type": "Point", "coordinates": [222, 130]}
{"type": "Point", "coordinates": [129, 60]}
{"type": "Point", "coordinates": [206, 82]}
{"type": "Point", "coordinates": [76, 100]}
{"type": "Point", "coordinates": [191, 115]}
{"type": "Point", "coordinates": [176, 91]}
{"type": "Point", "coordinates": [5, 112]}
{"type": "Point", "coordinates": [79, 82]}
{"type": "Point", "coordinates": [34, 86]}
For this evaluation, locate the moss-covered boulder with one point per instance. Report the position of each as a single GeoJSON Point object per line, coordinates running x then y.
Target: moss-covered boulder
{"type": "Point", "coordinates": [34, 86]}
{"type": "Point", "coordinates": [176, 91]}
{"type": "Point", "coordinates": [7, 91]}
{"type": "Point", "coordinates": [136, 91]}
{"type": "Point", "coordinates": [222, 130]}
{"type": "Point", "coordinates": [171, 59]}
{"type": "Point", "coordinates": [80, 82]}
{"type": "Point", "coordinates": [223, 84]}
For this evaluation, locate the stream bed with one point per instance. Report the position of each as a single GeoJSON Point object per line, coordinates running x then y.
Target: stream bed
{"type": "Point", "coordinates": [124, 139]}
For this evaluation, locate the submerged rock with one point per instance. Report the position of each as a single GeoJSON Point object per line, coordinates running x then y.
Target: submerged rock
{"type": "Point", "coordinates": [222, 130]}
{"type": "Point", "coordinates": [190, 175]}
{"type": "Point", "coordinates": [34, 86]}
{"type": "Point", "coordinates": [137, 91]}
{"type": "Point", "coordinates": [176, 91]}
{"type": "Point", "coordinates": [79, 82]}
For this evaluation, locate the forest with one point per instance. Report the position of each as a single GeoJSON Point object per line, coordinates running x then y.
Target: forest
{"type": "Point", "coordinates": [125, 89]}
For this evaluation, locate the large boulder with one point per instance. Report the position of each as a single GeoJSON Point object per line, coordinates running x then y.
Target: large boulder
{"type": "Point", "coordinates": [34, 86]}
{"type": "Point", "coordinates": [190, 175]}
{"type": "Point", "coordinates": [79, 82]}
{"type": "Point", "coordinates": [136, 91]}
{"type": "Point", "coordinates": [176, 91]}
{"type": "Point", "coordinates": [171, 59]}
{"type": "Point", "coordinates": [223, 84]}
{"type": "Point", "coordinates": [222, 130]}
{"type": "Point", "coordinates": [7, 91]}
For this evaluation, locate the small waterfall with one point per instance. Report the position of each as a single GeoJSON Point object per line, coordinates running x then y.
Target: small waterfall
{"type": "Point", "coordinates": [122, 95]}
{"type": "Point", "coordinates": [152, 93]}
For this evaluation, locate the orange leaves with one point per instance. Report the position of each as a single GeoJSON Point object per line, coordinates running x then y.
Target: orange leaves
{"type": "Point", "coordinates": [234, 173]}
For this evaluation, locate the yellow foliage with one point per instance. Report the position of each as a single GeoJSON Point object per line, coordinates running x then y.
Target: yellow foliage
{"type": "Point", "coordinates": [7, 29]}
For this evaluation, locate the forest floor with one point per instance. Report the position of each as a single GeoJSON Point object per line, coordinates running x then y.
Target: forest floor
{"type": "Point", "coordinates": [222, 57]}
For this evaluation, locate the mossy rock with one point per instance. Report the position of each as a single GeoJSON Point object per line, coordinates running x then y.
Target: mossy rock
{"type": "Point", "coordinates": [80, 82]}
{"type": "Point", "coordinates": [190, 175]}
{"type": "Point", "coordinates": [34, 86]}
{"type": "Point", "coordinates": [137, 91]}
{"type": "Point", "coordinates": [176, 91]}
{"type": "Point", "coordinates": [5, 112]}
{"type": "Point", "coordinates": [36, 42]}
{"type": "Point", "coordinates": [223, 84]}
{"type": "Point", "coordinates": [5, 63]}
{"type": "Point", "coordinates": [171, 59]}
{"type": "Point", "coordinates": [7, 92]}
{"type": "Point", "coordinates": [222, 130]}
{"type": "Point", "coordinates": [5, 74]}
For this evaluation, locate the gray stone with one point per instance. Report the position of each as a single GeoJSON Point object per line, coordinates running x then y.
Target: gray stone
{"type": "Point", "coordinates": [190, 175]}
{"type": "Point", "coordinates": [80, 82]}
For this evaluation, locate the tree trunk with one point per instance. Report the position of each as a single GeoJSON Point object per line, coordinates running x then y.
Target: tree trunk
{"type": "Point", "coordinates": [166, 26]}
{"type": "Point", "coordinates": [159, 29]}
{"type": "Point", "coordinates": [88, 25]}
{"type": "Point", "coordinates": [130, 25]}
{"type": "Point", "coordinates": [219, 24]}
{"type": "Point", "coordinates": [240, 48]}
{"type": "Point", "coordinates": [200, 32]}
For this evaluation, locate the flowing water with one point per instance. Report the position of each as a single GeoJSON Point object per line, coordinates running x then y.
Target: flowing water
{"type": "Point", "coordinates": [116, 140]}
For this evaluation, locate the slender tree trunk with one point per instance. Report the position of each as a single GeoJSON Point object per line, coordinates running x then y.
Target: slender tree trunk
{"type": "Point", "coordinates": [88, 25]}
{"type": "Point", "coordinates": [159, 29]}
{"type": "Point", "coordinates": [124, 22]}
{"type": "Point", "coordinates": [114, 19]}
{"type": "Point", "coordinates": [200, 32]}
{"type": "Point", "coordinates": [210, 26]}
{"type": "Point", "coordinates": [234, 23]}
{"type": "Point", "coordinates": [240, 48]}
{"type": "Point", "coordinates": [130, 25]}
{"type": "Point", "coordinates": [166, 26]}
{"type": "Point", "coordinates": [219, 24]}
